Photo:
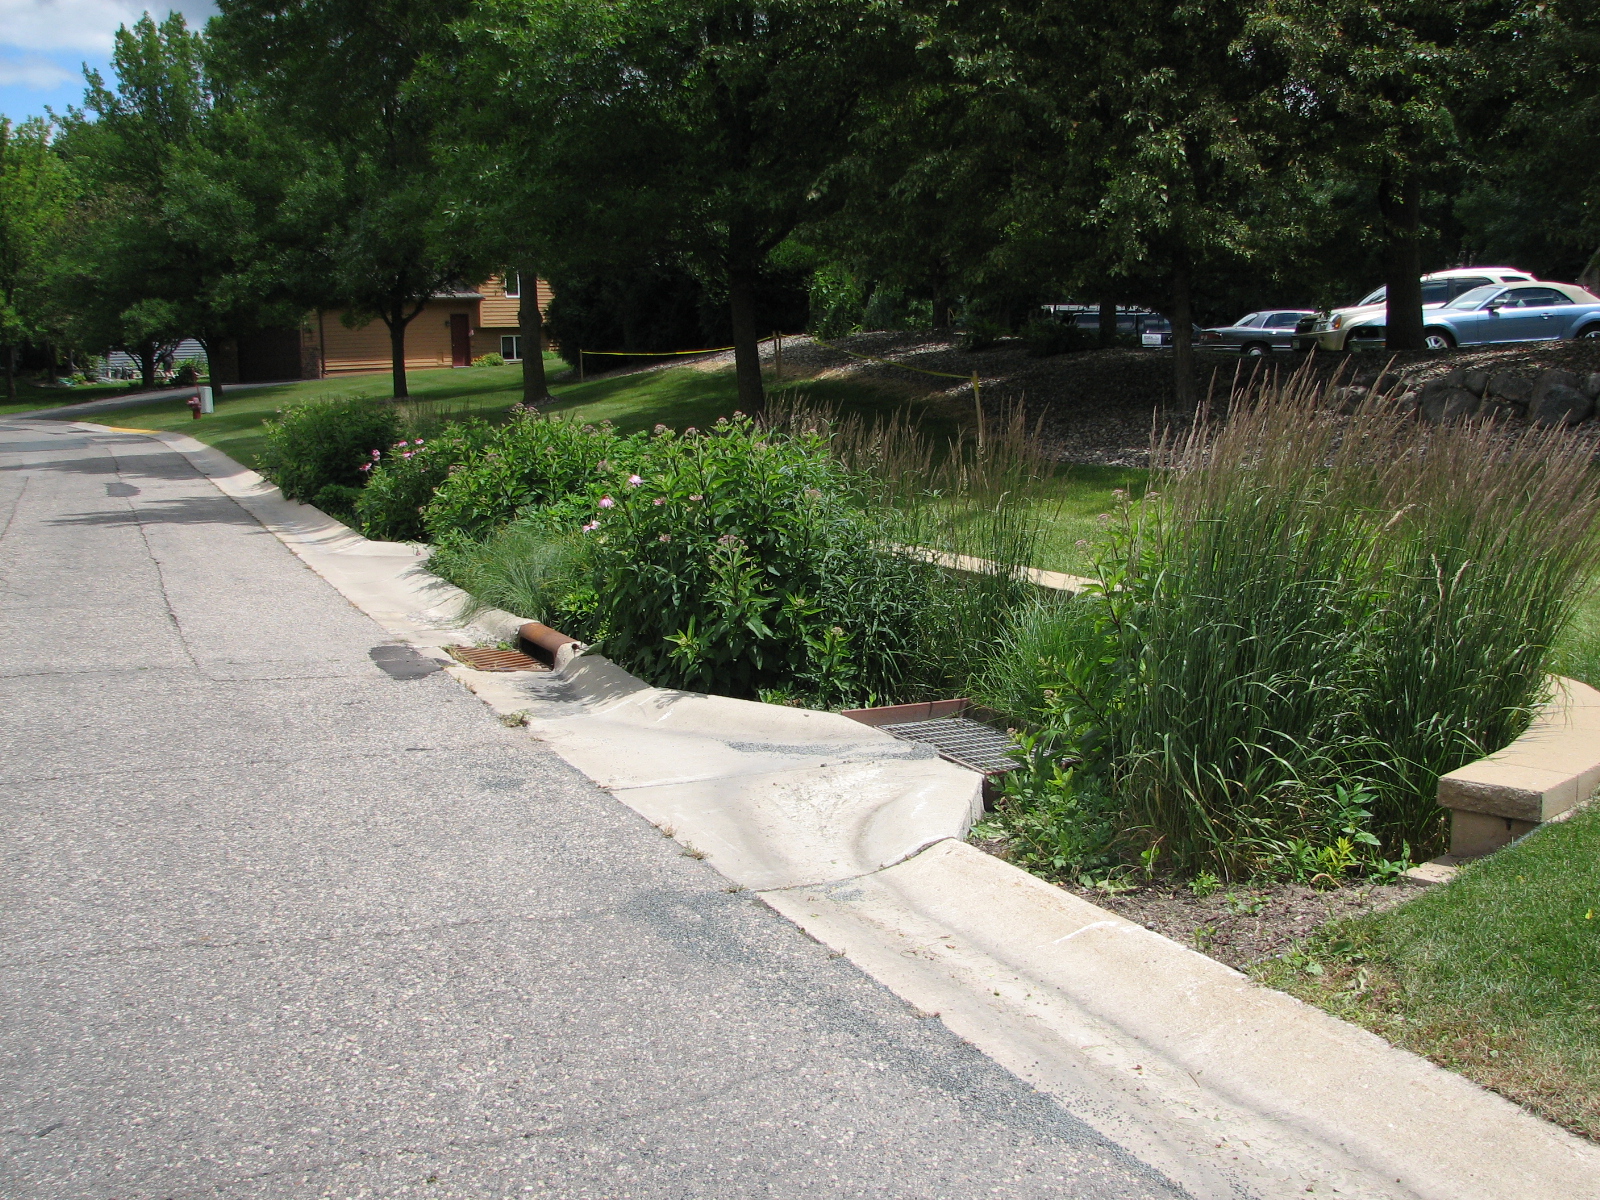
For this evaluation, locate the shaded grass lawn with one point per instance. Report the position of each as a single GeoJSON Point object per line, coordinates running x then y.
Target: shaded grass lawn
{"type": "Point", "coordinates": [1495, 975]}
{"type": "Point", "coordinates": [31, 396]}
{"type": "Point", "coordinates": [678, 397]}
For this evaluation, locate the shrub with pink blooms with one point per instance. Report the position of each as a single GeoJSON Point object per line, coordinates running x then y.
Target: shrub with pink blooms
{"type": "Point", "coordinates": [735, 560]}
{"type": "Point", "coordinates": [403, 477]}
{"type": "Point", "coordinates": [532, 461]}
{"type": "Point", "coordinates": [315, 452]}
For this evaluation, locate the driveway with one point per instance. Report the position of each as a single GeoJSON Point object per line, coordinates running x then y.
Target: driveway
{"type": "Point", "coordinates": [280, 924]}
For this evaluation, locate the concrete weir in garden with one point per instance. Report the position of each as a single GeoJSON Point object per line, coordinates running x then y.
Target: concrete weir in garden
{"type": "Point", "coordinates": [1542, 776]}
{"type": "Point", "coordinates": [1231, 1089]}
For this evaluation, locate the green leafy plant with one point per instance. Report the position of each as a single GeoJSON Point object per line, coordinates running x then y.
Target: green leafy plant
{"type": "Point", "coordinates": [489, 360]}
{"type": "Point", "coordinates": [403, 478]}
{"type": "Point", "coordinates": [533, 460]}
{"type": "Point", "coordinates": [323, 442]}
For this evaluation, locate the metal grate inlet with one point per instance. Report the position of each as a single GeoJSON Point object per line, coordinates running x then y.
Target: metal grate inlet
{"type": "Point", "coordinates": [483, 658]}
{"type": "Point", "coordinates": [962, 740]}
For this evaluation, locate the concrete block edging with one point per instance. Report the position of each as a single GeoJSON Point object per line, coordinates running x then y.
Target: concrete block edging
{"type": "Point", "coordinates": [1229, 1088]}
{"type": "Point", "coordinates": [1540, 777]}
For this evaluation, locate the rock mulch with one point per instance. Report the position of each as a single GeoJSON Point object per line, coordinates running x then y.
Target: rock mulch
{"type": "Point", "coordinates": [1101, 406]}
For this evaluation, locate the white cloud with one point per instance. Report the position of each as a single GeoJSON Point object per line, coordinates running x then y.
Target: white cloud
{"type": "Point", "coordinates": [33, 71]}
{"type": "Point", "coordinates": [80, 24]}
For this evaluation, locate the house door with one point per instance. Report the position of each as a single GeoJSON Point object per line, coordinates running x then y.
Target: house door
{"type": "Point", "coordinates": [460, 341]}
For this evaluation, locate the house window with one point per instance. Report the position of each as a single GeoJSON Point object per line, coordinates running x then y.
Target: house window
{"type": "Point", "coordinates": [513, 285]}
{"type": "Point", "coordinates": [511, 348]}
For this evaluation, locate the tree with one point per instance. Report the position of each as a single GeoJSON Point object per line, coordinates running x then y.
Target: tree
{"type": "Point", "coordinates": [705, 131]}
{"type": "Point", "coordinates": [1379, 89]}
{"type": "Point", "coordinates": [343, 74]}
{"type": "Point", "coordinates": [36, 195]}
{"type": "Point", "coordinates": [200, 226]}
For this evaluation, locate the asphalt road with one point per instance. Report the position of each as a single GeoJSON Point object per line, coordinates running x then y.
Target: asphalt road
{"type": "Point", "coordinates": [278, 924]}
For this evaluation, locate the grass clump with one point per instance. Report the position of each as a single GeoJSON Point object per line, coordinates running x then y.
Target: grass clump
{"type": "Point", "coordinates": [1495, 975]}
{"type": "Point", "coordinates": [1309, 620]}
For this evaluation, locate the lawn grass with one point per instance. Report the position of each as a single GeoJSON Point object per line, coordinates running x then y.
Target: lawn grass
{"type": "Point", "coordinates": [1495, 975]}
{"type": "Point", "coordinates": [678, 397]}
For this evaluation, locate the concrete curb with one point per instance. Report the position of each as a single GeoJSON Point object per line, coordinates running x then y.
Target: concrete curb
{"type": "Point", "coordinates": [1230, 1088]}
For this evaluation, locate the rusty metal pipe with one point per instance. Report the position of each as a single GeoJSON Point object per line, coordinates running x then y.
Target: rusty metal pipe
{"type": "Point", "coordinates": [545, 641]}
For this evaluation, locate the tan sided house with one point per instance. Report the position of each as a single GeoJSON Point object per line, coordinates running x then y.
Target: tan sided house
{"type": "Point", "coordinates": [452, 329]}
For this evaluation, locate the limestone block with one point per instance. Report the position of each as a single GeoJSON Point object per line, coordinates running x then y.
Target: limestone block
{"type": "Point", "coordinates": [1512, 386]}
{"type": "Point", "coordinates": [1591, 386]}
{"type": "Point", "coordinates": [1509, 789]}
{"type": "Point", "coordinates": [1472, 835]}
{"type": "Point", "coordinates": [1559, 404]}
{"type": "Point", "coordinates": [1475, 381]}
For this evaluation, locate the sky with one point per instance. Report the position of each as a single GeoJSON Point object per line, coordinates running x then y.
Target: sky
{"type": "Point", "coordinates": [45, 43]}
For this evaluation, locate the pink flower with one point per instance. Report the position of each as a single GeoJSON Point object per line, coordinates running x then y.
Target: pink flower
{"type": "Point", "coordinates": [397, 445]}
{"type": "Point", "coordinates": [635, 480]}
{"type": "Point", "coordinates": [659, 500]}
{"type": "Point", "coordinates": [591, 527]}
{"type": "Point", "coordinates": [665, 538]}
{"type": "Point", "coordinates": [407, 454]}
{"type": "Point", "coordinates": [365, 467]}
{"type": "Point", "coordinates": [419, 441]}
{"type": "Point", "coordinates": [697, 498]}
{"type": "Point", "coordinates": [377, 454]}
{"type": "Point", "coordinates": [607, 502]}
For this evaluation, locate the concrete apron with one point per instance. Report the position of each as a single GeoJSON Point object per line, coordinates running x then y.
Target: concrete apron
{"type": "Point", "coordinates": [1229, 1088]}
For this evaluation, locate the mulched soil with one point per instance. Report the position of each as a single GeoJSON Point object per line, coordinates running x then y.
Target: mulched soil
{"type": "Point", "coordinates": [1238, 925]}
{"type": "Point", "coordinates": [1103, 405]}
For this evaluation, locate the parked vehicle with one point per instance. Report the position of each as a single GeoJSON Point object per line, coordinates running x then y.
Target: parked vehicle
{"type": "Point", "coordinates": [1364, 320]}
{"type": "Point", "coordinates": [1528, 313]}
{"type": "Point", "coordinates": [1150, 328]}
{"type": "Point", "coordinates": [1257, 333]}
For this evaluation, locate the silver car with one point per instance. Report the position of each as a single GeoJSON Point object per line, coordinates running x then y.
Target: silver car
{"type": "Point", "coordinates": [1257, 333]}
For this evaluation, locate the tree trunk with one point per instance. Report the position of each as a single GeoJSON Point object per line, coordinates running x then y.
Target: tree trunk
{"type": "Point", "coordinates": [1400, 204]}
{"type": "Point", "coordinates": [746, 351]}
{"type": "Point", "coordinates": [396, 321]}
{"type": "Point", "coordinates": [1108, 324]}
{"type": "Point", "coordinates": [11, 374]}
{"type": "Point", "coordinates": [1183, 389]}
{"type": "Point", "coordinates": [147, 365]}
{"type": "Point", "coordinates": [530, 332]}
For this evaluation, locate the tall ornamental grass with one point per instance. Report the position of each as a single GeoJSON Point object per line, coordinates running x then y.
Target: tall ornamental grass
{"type": "Point", "coordinates": [1310, 620]}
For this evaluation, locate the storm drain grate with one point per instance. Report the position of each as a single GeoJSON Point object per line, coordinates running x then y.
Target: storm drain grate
{"type": "Point", "coordinates": [482, 658]}
{"type": "Point", "coordinates": [962, 740]}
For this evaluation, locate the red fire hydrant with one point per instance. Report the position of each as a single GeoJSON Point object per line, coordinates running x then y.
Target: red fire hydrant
{"type": "Point", "coordinates": [194, 406]}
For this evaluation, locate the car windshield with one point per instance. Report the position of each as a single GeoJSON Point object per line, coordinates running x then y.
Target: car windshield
{"type": "Point", "coordinates": [1476, 298]}
{"type": "Point", "coordinates": [1376, 297]}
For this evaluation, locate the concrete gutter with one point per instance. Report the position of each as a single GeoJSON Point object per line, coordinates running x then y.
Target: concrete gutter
{"type": "Point", "coordinates": [1231, 1089]}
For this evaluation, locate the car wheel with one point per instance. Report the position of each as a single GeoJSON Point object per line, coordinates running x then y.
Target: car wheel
{"type": "Point", "coordinates": [1362, 334]}
{"type": "Point", "coordinates": [1438, 339]}
{"type": "Point", "coordinates": [1592, 331]}
{"type": "Point", "coordinates": [1255, 349]}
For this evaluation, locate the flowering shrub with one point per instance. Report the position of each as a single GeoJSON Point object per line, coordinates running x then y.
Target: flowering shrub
{"type": "Point", "coordinates": [403, 478]}
{"type": "Point", "coordinates": [326, 442]}
{"type": "Point", "coordinates": [532, 461]}
{"type": "Point", "coordinates": [733, 561]}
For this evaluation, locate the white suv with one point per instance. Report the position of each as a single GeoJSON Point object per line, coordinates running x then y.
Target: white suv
{"type": "Point", "coordinates": [1364, 320]}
